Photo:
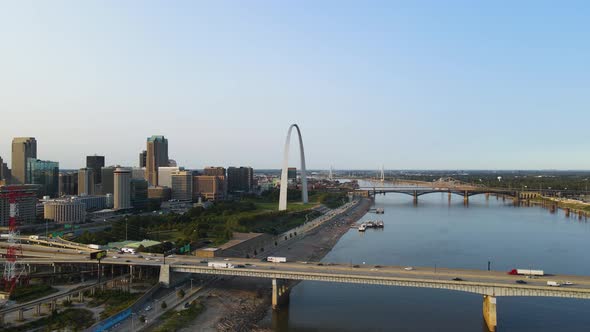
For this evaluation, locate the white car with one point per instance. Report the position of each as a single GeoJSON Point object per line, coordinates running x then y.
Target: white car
{"type": "Point", "coordinates": [148, 308]}
{"type": "Point", "coordinates": [569, 283]}
{"type": "Point", "coordinates": [115, 257]}
{"type": "Point", "coordinates": [409, 268]}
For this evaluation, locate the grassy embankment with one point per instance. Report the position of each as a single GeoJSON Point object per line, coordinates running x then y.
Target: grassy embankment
{"type": "Point", "coordinates": [176, 320]}
{"type": "Point", "coordinates": [215, 225]}
{"type": "Point", "coordinates": [113, 301]}
{"type": "Point", "coordinates": [28, 293]}
{"type": "Point", "coordinates": [67, 320]}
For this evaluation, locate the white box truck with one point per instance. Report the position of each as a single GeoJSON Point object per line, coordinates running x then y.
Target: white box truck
{"type": "Point", "coordinates": [276, 259]}
{"type": "Point", "coordinates": [553, 283]}
{"type": "Point", "coordinates": [216, 265]}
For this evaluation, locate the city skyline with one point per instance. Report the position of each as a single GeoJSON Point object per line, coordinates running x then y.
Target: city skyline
{"type": "Point", "coordinates": [395, 84]}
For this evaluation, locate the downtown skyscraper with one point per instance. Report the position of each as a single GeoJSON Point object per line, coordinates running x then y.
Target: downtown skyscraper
{"type": "Point", "coordinates": [157, 156]}
{"type": "Point", "coordinates": [23, 148]}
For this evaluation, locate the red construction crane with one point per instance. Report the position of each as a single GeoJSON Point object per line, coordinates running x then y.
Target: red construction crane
{"type": "Point", "coordinates": [13, 271]}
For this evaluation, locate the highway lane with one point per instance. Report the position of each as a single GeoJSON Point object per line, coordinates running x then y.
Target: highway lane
{"type": "Point", "coordinates": [430, 273]}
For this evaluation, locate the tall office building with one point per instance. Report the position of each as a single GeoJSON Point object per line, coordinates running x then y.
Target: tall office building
{"type": "Point", "coordinates": [108, 178]}
{"type": "Point", "coordinates": [23, 148]}
{"type": "Point", "coordinates": [165, 175]}
{"type": "Point", "coordinates": [209, 187]}
{"type": "Point", "coordinates": [139, 194]}
{"type": "Point", "coordinates": [65, 210]}
{"type": "Point", "coordinates": [122, 182]}
{"type": "Point", "coordinates": [138, 173]}
{"type": "Point", "coordinates": [4, 172]}
{"type": "Point", "coordinates": [142, 158]}
{"type": "Point", "coordinates": [85, 181]}
{"type": "Point", "coordinates": [96, 163]}
{"type": "Point", "coordinates": [214, 171]}
{"type": "Point", "coordinates": [157, 156]}
{"type": "Point", "coordinates": [292, 173]}
{"type": "Point", "coordinates": [182, 185]}
{"type": "Point", "coordinates": [240, 179]}
{"type": "Point", "coordinates": [68, 183]}
{"type": "Point", "coordinates": [26, 198]}
{"type": "Point", "coordinates": [45, 174]}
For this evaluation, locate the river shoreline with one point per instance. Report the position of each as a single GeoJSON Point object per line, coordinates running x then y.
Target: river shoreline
{"type": "Point", "coordinates": [243, 304]}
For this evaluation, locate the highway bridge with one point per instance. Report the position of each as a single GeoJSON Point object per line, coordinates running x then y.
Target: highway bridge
{"type": "Point", "coordinates": [466, 192]}
{"type": "Point", "coordinates": [489, 284]}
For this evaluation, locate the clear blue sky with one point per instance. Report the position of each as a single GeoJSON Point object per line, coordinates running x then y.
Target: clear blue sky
{"type": "Point", "coordinates": [412, 84]}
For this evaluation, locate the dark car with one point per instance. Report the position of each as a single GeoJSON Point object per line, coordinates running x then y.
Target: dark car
{"type": "Point", "coordinates": [355, 266]}
{"type": "Point", "coordinates": [203, 262]}
{"type": "Point", "coordinates": [240, 266]}
{"type": "Point", "coordinates": [457, 279]}
{"type": "Point", "coordinates": [377, 266]}
{"type": "Point", "coordinates": [320, 264]}
{"type": "Point", "coordinates": [127, 261]}
{"type": "Point", "coordinates": [186, 305]}
{"type": "Point", "coordinates": [520, 282]}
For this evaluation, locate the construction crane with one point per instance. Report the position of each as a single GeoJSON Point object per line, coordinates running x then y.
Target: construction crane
{"type": "Point", "coordinates": [13, 271]}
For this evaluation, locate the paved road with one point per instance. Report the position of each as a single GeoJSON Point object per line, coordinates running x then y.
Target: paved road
{"type": "Point", "coordinates": [363, 270]}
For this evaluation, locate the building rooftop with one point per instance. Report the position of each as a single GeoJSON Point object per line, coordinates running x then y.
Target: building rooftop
{"type": "Point", "coordinates": [239, 238]}
{"type": "Point", "coordinates": [154, 138]}
{"type": "Point", "coordinates": [134, 244]}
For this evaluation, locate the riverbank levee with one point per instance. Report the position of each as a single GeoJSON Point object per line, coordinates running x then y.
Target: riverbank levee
{"type": "Point", "coordinates": [234, 303]}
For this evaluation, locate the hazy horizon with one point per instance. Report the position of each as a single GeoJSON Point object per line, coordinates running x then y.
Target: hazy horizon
{"type": "Point", "coordinates": [409, 85]}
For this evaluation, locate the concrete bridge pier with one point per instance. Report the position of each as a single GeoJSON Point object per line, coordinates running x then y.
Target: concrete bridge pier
{"type": "Point", "coordinates": [38, 310]}
{"type": "Point", "coordinates": [21, 315]}
{"type": "Point", "coordinates": [415, 197]}
{"type": "Point", "coordinates": [487, 196]}
{"type": "Point", "coordinates": [280, 293]}
{"type": "Point", "coordinates": [489, 312]}
{"type": "Point", "coordinates": [466, 198]}
{"type": "Point", "coordinates": [168, 278]}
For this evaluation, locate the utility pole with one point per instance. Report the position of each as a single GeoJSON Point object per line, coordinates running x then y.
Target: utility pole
{"type": "Point", "coordinates": [125, 228]}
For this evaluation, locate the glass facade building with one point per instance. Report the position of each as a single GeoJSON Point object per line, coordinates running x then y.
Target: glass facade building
{"type": "Point", "coordinates": [45, 174]}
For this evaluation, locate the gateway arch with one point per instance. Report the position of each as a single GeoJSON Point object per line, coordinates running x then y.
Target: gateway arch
{"type": "Point", "coordinates": [284, 173]}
